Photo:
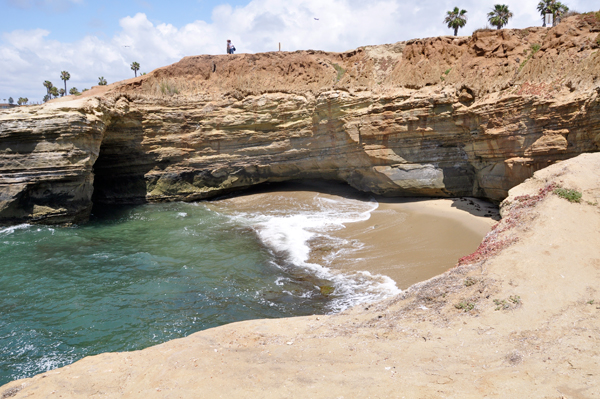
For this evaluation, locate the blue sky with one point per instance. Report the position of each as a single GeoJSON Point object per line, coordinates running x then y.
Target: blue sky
{"type": "Point", "coordinates": [89, 39]}
{"type": "Point", "coordinates": [68, 20]}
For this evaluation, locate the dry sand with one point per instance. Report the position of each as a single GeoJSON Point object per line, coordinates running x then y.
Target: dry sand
{"type": "Point", "coordinates": [407, 239]}
{"type": "Point", "coordinates": [414, 240]}
{"type": "Point", "coordinates": [521, 321]}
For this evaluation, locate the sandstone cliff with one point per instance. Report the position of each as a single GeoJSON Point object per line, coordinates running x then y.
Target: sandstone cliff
{"type": "Point", "coordinates": [441, 116]}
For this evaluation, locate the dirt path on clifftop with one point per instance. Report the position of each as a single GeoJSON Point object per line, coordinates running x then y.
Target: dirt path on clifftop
{"type": "Point", "coordinates": [523, 323]}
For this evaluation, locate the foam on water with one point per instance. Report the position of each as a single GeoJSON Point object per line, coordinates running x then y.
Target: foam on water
{"type": "Point", "coordinates": [137, 277]}
{"type": "Point", "coordinates": [147, 274]}
{"type": "Point", "coordinates": [289, 233]}
{"type": "Point", "coordinates": [11, 229]}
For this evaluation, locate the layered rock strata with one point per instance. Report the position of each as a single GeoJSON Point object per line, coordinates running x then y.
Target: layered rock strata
{"type": "Point", "coordinates": [429, 117]}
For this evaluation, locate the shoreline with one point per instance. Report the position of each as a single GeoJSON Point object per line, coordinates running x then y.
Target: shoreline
{"type": "Point", "coordinates": [523, 321]}
{"type": "Point", "coordinates": [406, 239]}
{"type": "Point", "coordinates": [429, 238]}
{"type": "Point", "coordinates": [355, 257]}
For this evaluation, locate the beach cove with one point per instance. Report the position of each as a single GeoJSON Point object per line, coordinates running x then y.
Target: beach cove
{"type": "Point", "coordinates": [489, 328]}
{"type": "Point", "coordinates": [143, 275]}
{"type": "Point", "coordinates": [510, 116]}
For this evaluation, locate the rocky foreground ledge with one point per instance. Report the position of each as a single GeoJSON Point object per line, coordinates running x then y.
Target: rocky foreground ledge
{"type": "Point", "coordinates": [444, 116]}
{"type": "Point", "coordinates": [519, 318]}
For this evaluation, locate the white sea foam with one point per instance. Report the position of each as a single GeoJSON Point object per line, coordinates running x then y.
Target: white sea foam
{"type": "Point", "coordinates": [11, 229]}
{"type": "Point", "coordinates": [51, 360]}
{"type": "Point", "coordinates": [282, 280]}
{"type": "Point", "coordinates": [289, 234]}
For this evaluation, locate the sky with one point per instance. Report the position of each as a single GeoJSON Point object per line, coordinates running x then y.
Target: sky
{"type": "Point", "coordinates": [90, 39]}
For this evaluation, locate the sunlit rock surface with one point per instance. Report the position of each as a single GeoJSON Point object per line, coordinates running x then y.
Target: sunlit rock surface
{"type": "Point", "coordinates": [440, 116]}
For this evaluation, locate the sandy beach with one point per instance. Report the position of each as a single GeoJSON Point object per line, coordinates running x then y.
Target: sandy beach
{"type": "Point", "coordinates": [406, 239]}
{"type": "Point", "coordinates": [414, 240]}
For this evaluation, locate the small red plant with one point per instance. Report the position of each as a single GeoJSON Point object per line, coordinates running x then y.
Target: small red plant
{"type": "Point", "coordinates": [540, 89]}
{"type": "Point", "coordinates": [492, 243]}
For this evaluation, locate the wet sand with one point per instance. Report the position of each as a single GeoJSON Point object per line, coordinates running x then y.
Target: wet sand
{"type": "Point", "coordinates": [407, 239]}
{"type": "Point", "coordinates": [413, 240]}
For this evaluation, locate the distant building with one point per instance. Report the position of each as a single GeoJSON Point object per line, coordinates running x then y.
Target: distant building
{"type": "Point", "coordinates": [6, 105]}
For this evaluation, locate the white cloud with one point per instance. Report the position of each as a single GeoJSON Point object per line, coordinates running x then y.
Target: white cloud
{"type": "Point", "coordinates": [30, 57]}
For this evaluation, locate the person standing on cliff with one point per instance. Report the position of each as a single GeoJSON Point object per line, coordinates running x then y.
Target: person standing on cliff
{"type": "Point", "coordinates": [230, 47]}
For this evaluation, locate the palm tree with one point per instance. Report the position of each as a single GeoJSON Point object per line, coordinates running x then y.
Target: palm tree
{"type": "Point", "coordinates": [54, 91]}
{"type": "Point", "coordinates": [543, 7]}
{"type": "Point", "coordinates": [559, 10]}
{"type": "Point", "coordinates": [73, 91]}
{"type": "Point", "coordinates": [22, 100]}
{"type": "Point", "coordinates": [48, 85]}
{"type": "Point", "coordinates": [456, 19]}
{"type": "Point", "coordinates": [62, 92]}
{"type": "Point", "coordinates": [499, 15]}
{"type": "Point", "coordinates": [551, 6]}
{"type": "Point", "coordinates": [135, 67]}
{"type": "Point", "coordinates": [64, 75]}
{"type": "Point", "coordinates": [101, 81]}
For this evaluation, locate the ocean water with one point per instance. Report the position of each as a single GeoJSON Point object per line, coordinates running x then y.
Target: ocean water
{"type": "Point", "coordinates": [134, 277]}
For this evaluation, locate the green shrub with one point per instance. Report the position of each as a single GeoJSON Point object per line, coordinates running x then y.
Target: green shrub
{"type": "Point", "coordinates": [535, 47]}
{"type": "Point", "coordinates": [513, 302]}
{"type": "Point", "coordinates": [168, 88]}
{"type": "Point", "coordinates": [340, 72]}
{"type": "Point", "coordinates": [568, 194]}
{"type": "Point", "coordinates": [501, 304]}
{"type": "Point", "coordinates": [465, 306]}
{"type": "Point", "coordinates": [523, 64]}
{"type": "Point", "coordinates": [469, 281]}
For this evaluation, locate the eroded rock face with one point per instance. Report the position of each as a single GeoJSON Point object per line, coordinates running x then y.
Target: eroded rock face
{"type": "Point", "coordinates": [46, 159]}
{"type": "Point", "coordinates": [430, 117]}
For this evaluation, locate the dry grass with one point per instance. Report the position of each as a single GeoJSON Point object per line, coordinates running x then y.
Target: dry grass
{"type": "Point", "coordinates": [486, 28]}
{"type": "Point", "coordinates": [381, 70]}
{"type": "Point", "coordinates": [592, 18]}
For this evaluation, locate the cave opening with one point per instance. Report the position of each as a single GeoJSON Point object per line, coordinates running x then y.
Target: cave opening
{"type": "Point", "coordinates": [119, 172]}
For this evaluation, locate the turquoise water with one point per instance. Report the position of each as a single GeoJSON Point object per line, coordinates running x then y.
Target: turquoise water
{"type": "Point", "coordinates": [134, 277]}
